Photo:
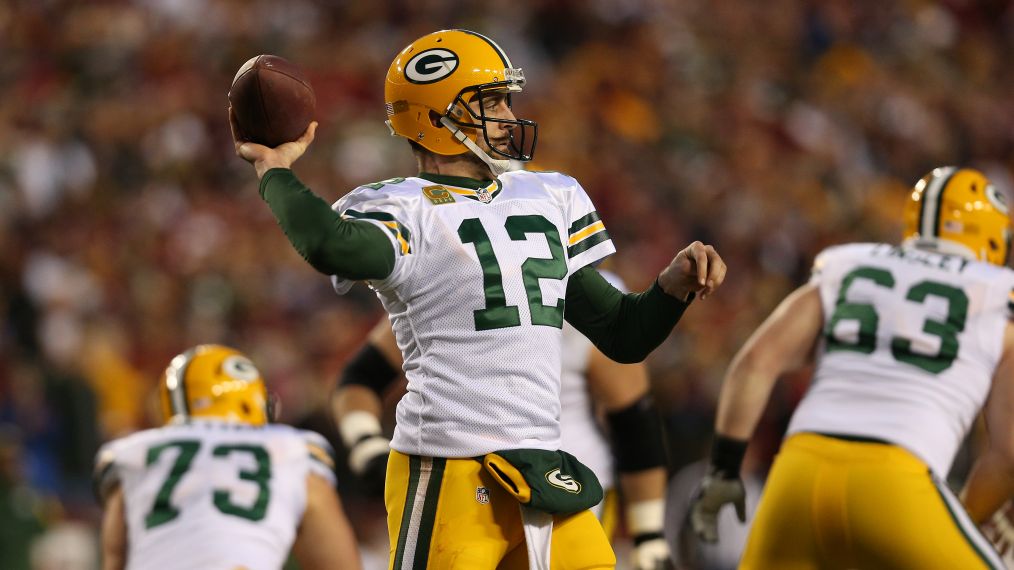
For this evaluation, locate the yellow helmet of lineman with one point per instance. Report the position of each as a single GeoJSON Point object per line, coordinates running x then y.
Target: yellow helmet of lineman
{"type": "Point", "coordinates": [952, 209]}
{"type": "Point", "coordinates": [214, 381]}
{"type": "Point", "coordinates": [430, 83]}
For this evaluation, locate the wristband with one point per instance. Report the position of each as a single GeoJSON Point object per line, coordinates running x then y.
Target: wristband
{"type": "Point", "coordinates": [727, 455]}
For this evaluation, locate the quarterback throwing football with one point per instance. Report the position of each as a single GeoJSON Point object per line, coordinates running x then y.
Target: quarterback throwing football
{"type": "Point", "coordinates": [478, 267]}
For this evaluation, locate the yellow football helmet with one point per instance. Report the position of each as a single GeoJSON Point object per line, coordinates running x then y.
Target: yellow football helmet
{"type": "Point", "coordinates": [954, 209]}
{"type": "Point", "coordinates": [214, 381]}
{"type": "Point", "coordinates": [430, 83]}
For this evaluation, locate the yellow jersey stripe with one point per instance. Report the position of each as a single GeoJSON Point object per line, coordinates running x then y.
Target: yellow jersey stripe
{"type": "Point", "coordinates": [397, 234]}
{"type": "Point", "coordinates": [596, 227]}
{"type": "Point", "coordinates": [320, 455]}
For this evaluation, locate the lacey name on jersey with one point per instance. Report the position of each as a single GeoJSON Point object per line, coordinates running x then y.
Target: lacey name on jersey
{"type": "Point", "coordinates": [950, 263]}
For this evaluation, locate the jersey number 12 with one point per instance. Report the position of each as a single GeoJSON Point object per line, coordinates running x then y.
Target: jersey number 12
{"type": "Point", "coordinates": [498, 314]}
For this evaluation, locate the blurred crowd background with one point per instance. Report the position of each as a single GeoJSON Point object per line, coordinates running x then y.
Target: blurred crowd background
{"type": "Point", "coordinates": [130, 231]}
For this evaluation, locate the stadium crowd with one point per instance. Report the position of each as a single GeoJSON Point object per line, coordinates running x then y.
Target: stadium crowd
{"type": "Point", "coordinates": [129, 230]}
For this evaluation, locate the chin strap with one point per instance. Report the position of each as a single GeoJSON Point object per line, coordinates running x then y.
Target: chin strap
{"type": "Point", "coordinates": [497, 166]}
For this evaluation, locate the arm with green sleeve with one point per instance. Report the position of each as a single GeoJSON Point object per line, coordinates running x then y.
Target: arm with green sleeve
{"type": "Point", "coordinates": [625, 327]}
{"type": "Point", "coordinates": [351, 249]}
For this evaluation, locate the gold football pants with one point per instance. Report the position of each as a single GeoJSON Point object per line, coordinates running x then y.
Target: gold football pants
{"type": "Point", "coordinates": [834, 503]}
{"type": "Point", "coordinates": [451, 514]}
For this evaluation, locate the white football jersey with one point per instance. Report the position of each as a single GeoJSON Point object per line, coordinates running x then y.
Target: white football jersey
{"type": "Point", "coordinates": [910, 344]}
{"type": "Point", "coordinates": [580, 432]}
{"type": "Point", "coordinates": [476, 302]}
{"type": "Point", "coordinates": [213, 495]}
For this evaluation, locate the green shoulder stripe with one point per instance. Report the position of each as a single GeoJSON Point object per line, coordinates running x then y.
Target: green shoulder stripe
{"type": "Point", "coordinates": [584, 222]}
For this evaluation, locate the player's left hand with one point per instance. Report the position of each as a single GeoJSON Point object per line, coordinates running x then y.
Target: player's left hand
{"type": "Point", "coordinates": [717, 490]}
{"type": "Point", "coordinates": [696, 269]}
{"type": "Point", "coordinates": [264, 158]}
{"type": "Point", "coordinates": [652, 554]}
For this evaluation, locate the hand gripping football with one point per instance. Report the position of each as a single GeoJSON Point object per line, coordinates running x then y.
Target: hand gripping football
{"type": "Point", "coordinates": [272, 100]}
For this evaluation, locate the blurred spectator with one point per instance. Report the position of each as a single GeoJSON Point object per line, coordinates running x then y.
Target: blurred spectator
{"type": "Point", "coordinates": [22, 509]}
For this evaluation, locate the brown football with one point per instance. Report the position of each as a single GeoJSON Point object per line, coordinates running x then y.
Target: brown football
{"type": "Point", "coordinates": [272, 100]}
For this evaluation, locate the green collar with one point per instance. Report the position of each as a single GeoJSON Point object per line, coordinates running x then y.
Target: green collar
{"type": "Point", "coordinates": [459, 181]}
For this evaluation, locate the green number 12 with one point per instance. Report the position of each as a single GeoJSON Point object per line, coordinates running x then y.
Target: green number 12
{"type": "Point", "coordinates": [498, 314]}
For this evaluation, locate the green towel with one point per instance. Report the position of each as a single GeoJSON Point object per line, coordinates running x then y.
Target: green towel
{"type": "Point", "coordinates": [550, 481]}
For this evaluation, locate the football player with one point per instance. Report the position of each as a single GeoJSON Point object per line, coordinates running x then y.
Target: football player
{"type": "Point", "coordinates": [908, 343]}
{"type": "Point", "coordinates": [475, 264]}
{"type": "Point", "coordinates": [218, 486]}
{"type": "Point", "coordinates": [589, 381]}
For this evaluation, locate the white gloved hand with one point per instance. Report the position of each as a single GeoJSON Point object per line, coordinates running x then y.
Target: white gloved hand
{"type": "Point", "coordinates": [652, 554]}
{"type": "Point", "coordinates": [368, 449]}
{"type": "Point", "coordinates": [716, 490]}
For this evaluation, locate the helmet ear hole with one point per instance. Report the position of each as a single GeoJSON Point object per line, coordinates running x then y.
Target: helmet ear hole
{"type": "Point", "coordinates": [245, 408]}
{"type": "Point", "coordinates": [993, 245]}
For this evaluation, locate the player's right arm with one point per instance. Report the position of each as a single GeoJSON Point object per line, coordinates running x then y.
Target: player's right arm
{"type": "Point", "coordinates": [114, 531]}
{"type": "Point", "coordinates": [325, 539]}
{"type": "Point", "coordinates": [991, 481]}
{"type": "Point", "coordinates": [783, 343]}
{"type": "Point", "coordinates": [350, 249]}
{"type": "Point", "coordinates": [357, 405]}
{"type": "Point", "coordinates": [109, 493]}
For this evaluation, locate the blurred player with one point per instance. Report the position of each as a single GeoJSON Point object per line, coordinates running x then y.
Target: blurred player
{"type": "Point", "coordinates": [217, 486]}
{"type": "Point", "coordinates": [474, 265]}
{"type": "Point", "coordinates": [908, 341]}
{"type": "Point", "coordinates": [1000, 532]}
{"type": "Point", "coordinates": [590, 380]}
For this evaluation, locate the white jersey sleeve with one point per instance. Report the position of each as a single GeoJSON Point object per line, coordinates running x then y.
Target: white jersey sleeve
{"type": "Point", "coordinates": [910, 342]}
{"type": "Point", "coordinates": [588, 241]}
{"type": "Point", "coordinates": [234, 495]}
{"type": "Point", "coordinates": [321, 456]}
{"type": "Point", "coordinates": [380, 205]}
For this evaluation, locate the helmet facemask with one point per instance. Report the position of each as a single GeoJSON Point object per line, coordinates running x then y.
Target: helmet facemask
{"type": "Point", "coordinates": [521, 139]}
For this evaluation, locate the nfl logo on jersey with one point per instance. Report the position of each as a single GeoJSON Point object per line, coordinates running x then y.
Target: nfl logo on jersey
{"type": "Point", "coordinates": [482, 495]}
{"type": "Point", "coordinates": [484, 196]}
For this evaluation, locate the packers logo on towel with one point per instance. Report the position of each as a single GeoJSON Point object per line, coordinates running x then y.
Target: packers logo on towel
{"type": "Point", "coordinates": [565, 482]}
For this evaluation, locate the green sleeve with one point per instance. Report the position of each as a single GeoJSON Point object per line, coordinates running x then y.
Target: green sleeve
{"type": "Point", "coordinates": [350, 249]}
{"type": "Point", "coordinates": [625, 327]}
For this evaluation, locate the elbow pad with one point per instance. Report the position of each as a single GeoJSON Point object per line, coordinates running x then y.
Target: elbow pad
{"type": "Point", "coordinates": [636, 433]}
{"type": "Point", "coordinates": [369, 368]}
